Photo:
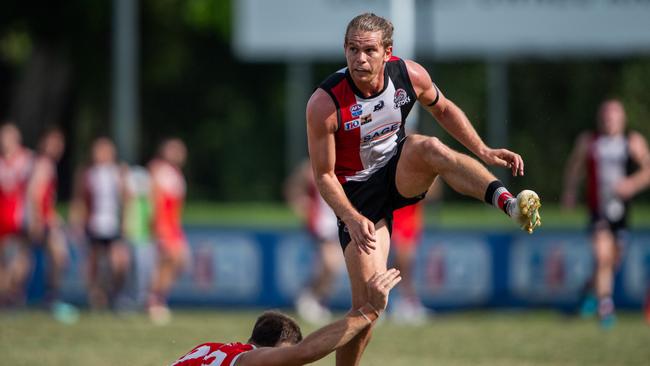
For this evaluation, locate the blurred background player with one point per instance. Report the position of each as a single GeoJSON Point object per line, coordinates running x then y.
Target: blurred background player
{"type": "Point", "coordinates": [16, 164]}
{"type": "Point", "coordinates": [44, 226]}
{"type": "Point", "coordinates": [305, 200]}
{"type": "Point", "coordinates": [408, 224]}
{"type": "Point", "coordinates": [276, 339]}
{"type": "Point", "coordinates": [98, 209]}
{"type": "Point", "coordinates": [168, 194]}
{"type": "Point", "coordinates": [608, 155]}
{"type": "Point", "coordinates": [137, 231]}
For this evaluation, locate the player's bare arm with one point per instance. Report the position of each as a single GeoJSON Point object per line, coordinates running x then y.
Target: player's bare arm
{"type": "Point", "coordinates": [327, 339]}
{"type": "Point", "coordinates": [640, 180]}
{"type": "Point", "coordinates": [321, 126]}
{"type": "Point", "coordinates": [574, 170]}
{"type": "Point", "coordinates": [454, 121]}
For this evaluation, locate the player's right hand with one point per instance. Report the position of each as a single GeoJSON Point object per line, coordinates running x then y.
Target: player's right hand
{"type": "Point", "coordinates": [362, 233]}
{"type": "Point", "coordinates": [379, 285]}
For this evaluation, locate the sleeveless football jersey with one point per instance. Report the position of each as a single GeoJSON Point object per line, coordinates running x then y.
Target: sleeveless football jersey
{"type": "Point", "coordinates": [14, 177]}
{"type": "Point", "coordinates": [104, 200]}
{"type": "Point", "coordinates": [369, 129]}
{"type": "Point", "coordinates": [168, 201]}
{"type": "Point", "coordinates": [608, 161]}
{"type": "Point", "coordinates": [214, 354]}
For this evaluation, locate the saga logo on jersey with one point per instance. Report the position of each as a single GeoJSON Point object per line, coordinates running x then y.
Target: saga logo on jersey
{"type": "Point", "coordinates": [356, 110]}
{"type": "Point", "coordinates": [401, 98]}
{"type": "Point", "coordinates": [382, 132]}
{"type": "Point", "coordinates": [351, 125]}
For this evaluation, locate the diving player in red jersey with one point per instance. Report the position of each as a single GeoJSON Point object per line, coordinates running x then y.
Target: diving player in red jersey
{"type": "Point", "coordinates": [276, 339]}
{"type": "Point", "coordinates": [366, 167]}
{"type": "Point", "coordinates": [168, 195]}
{"type": "Point", "coordinates": [607, 155]}
{"type": "Point", "coordinates": [16, 164]}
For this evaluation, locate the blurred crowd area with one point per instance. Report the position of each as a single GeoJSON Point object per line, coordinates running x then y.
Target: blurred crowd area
{"type": "Point", "coordinates": [117, 212]}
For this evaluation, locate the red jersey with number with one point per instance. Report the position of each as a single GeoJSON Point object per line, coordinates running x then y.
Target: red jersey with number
{"type": "Point", "coordinates": [14, 176]}
{"type": "Point", "coordinates": [369, 128]}
{"type": "Point", "coordinates": [214, 354]}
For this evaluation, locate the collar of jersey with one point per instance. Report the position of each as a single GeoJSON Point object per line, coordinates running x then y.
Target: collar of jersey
{"type": "Point", "coordinates": [356, 90]}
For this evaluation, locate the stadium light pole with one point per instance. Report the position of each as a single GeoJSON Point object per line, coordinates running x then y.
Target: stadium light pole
{"type": "Point", "coordinates": [125, 90]}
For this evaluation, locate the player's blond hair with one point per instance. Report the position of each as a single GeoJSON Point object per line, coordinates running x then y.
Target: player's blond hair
{"type": "Point", "coordinates": [369, 22]}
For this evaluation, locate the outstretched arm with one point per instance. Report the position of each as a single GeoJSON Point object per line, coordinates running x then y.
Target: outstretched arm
{"type": "Point", "coordinates": [574, 170]}
{"type": "Point", "coordinates": [327, 339]}
{"type": "Point", "coordinates": [322, 123]}
{"type": "Point", "coordinates": [640, 180]}
{"type": "Point", "coordinates": [454, 121]}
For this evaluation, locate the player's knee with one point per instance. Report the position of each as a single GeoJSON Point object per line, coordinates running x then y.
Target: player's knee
{"type": "Point", "coordinates": [437, 151]}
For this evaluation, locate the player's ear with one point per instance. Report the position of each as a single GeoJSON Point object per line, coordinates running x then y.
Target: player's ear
{"type": "Point", "coordinates": [388, 53]}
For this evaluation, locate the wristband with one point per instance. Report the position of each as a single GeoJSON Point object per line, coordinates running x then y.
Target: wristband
{"type": "Point", "coordinates": [375, 310]}
{"type": "Point", "coordinates": [364, 315]}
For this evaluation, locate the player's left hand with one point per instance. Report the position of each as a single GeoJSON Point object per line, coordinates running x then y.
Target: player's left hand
{"type": "Point", "coordinates": [504, 158]}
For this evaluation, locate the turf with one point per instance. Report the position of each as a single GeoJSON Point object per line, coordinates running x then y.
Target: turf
{"type": "Point", "coordinates": [476, 338]}
{"type": "Point", "coordinates": [454, 215]}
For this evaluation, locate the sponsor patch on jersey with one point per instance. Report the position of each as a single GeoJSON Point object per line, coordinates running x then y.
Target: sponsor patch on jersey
{"type": "Point", "coordinates": [379, 106]}
{"type": "Point", "coordinates": [381, 132]}
{"type": "Point", "coordinates": [351, 125]}
{"type": "Point", "coordinates": [356, 110]}
{"type": "Point", "coordinates": [366, 119]}
{"type": "Point", "coordinates": [401, 98]}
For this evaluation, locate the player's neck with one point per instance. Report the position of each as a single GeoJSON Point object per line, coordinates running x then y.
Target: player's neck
{"type": "Point", "coordinates": [370, 87]}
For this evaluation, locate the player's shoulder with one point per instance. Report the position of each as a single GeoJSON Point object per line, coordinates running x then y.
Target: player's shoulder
{"type": "Point", "coordinates": [418, 75]}
{"type": "Point", "coordinates": [635, 137]}
{"type": "Point", "coordinates": [320, 107]}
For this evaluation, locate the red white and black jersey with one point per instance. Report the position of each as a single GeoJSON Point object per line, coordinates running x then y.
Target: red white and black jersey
{"type": "Point", "coordinates": [14, 176]}
{"type": "Point", "coordinates": [214, 354]}
{"type": "Point", "coordinates": [369, 129]}
{"type": "Point", "coordinates": [608, 161]}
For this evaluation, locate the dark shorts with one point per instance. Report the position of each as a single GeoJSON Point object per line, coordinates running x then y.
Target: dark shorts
{"type": "Point", "coordinates": [618, 227]}
{"type": "Point", "coordinates": [102, 241]}
{"type": "Point", "coordinates": [377, 197]}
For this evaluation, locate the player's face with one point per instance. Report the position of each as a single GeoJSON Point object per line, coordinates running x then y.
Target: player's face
{"type": "Point", "coordinates": [175, 152]}
{"type": "Point", "coordinates": [366, 55]}
{"type": "Point", "coordinates": [103, 152]}
{"type": "Point", "coordinates": [9, 139]}
{"type": "Point", "coordinates": [54, 145]}
{"type": "Point", "coordinates": [612, 118]}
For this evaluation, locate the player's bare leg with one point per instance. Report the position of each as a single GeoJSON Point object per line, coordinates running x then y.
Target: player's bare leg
{"type": "Point", "coordinates": [404, 258]}
{"type": "Point", "coordinates": [170, 265]}
{"type": "Point", "coordinates": [120, 262]}
{"type": "Point", "coordinates": [361, 267]}
{"type": "Point", "coordinates": [97, 297]}
{"type": "Point", "coordinates": [330, 255]}
{"type": "Point", "coordinates": [18, 271]}
{"type": "Point", "coordinates": [423, 158]}
{"type": "Point", "coordinates": [605, 254]}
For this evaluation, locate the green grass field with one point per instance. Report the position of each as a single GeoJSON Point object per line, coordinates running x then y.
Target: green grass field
{"type": "Point", "coordinates": [455, 215]}
{"type": "Point", "coordinates": [475, 338]}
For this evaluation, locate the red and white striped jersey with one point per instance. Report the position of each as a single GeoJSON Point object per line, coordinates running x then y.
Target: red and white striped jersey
{"type": "Point", "coordinates": [369, 129]}
{"type": "Point", "coordinates": [608, 162]}
{"type": "Point", "coordinates": [214, 354]}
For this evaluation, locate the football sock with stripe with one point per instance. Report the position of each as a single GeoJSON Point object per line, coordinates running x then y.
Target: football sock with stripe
{"type": "Point", "coordinates": [498, 196]}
